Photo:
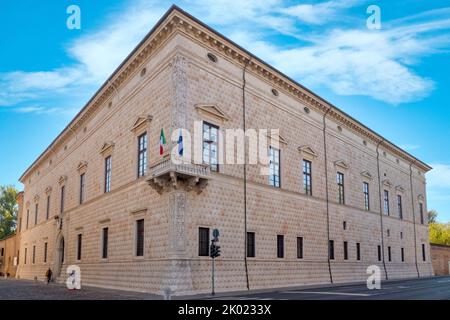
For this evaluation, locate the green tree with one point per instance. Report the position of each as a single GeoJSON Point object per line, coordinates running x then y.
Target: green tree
{"type": "Point", "coordinates": [432, 216]}
{"type": "Point", "coordinates": [8, 210]}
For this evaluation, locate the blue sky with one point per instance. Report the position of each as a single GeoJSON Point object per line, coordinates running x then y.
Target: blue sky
{"type": "Point", "coordinates": [395, 80]}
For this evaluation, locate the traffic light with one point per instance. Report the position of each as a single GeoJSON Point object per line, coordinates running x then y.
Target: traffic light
{"type": "Point", "coordinates": [214, 251]}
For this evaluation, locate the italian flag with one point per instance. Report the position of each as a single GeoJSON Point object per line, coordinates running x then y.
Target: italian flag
{"type": "Point", "coordinates": [162, 142]}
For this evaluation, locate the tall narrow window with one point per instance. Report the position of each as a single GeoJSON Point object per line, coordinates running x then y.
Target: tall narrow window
{"type": "Point", "coordinates": [47, 211]}
{"type": "Point", "coordinates": [299, 247]}
{"type": "Point", "coordinates": [107, 174]}
{"type": "Point", "coordinates": [280, 246]}
{"type": "Point", "coordinates": [331, 249]}
{"type": "Point", "coordinates": [386, 202]}
{"type": "Point", "coordinates": [105, 243]}
{"type": "Point", "coordinates": [79, 243]}
{"type": "Point", "coordinates": [142, 155]}
{"type": "Point", "coordinates": [45, 252]}
{"type": "Point", "coordinates": [34, 255]}
{"type": "Point", "coordinates": [340, 183]}
{"type": "Point", "coordinates": [82, 183]}
{"type": "Point", "coordinates": [345, 250]}
{"type": "Point", "coordinates": [203, 242]}
{"type": "Point", "coordinates": [421, 213]}
{"type": "Point", "coordinates": [307, 178]}
{"type": "Point", "coordinates": [274, 167]}
{"type": "Point", "coordinates": [140, 238]}
{"type": "Point", "coordinates": [366, 196]}
{"type": "Point", "coordinates": [28, 216]}
{"type": "Point", "coordinates": [389, 254]}
{"type": "Point", "coordinates": [400, 206]}
{"type": "Point", "coordinates": [379, 253]}
{"type": "Point", "coordinates": [251, 244]}
{"type": "Point", "coordinates": [25, 256]}
{"type": "Point", "coordinates": [36, 210]}
{"type": "Point", "coordinates": [210, 145]}
{"type": "Point", "coordinates": [423, 252]}
{"type": "Point", "coordinates": [403, 254]}
{"type": "Point", "coordinates": [358, 251]}
{"type": "Point", "coordinates": [63, 191]}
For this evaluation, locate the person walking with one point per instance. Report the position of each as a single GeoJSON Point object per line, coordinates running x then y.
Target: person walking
{"type": "Point", "coordinates": [48, 275]}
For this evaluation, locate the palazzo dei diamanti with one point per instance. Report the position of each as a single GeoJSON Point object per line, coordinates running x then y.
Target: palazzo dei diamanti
{"type": "Point", "coordinates": [339, 197]}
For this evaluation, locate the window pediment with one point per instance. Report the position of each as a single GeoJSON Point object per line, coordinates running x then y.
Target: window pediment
{"type": "Point", "coordinates": [107, 147]}
{"type": "Point", "coordinates": [48, 190]}
{"type": "Point", "coordinates": [62, 179]}
{"type": "Point", "coordinates": [82, 166]}
{"type": "Point", "coordinates": [341, 163]}
{"type": "Point", "coordinates": [276, 137]}
{"type": "Point", "coordinates": [367, 175]}
{"type": "Point", "coordinates": [399, 188]}
{"type": "Point", "coordinates": [36, 198]}
{"type": "Point", "coordinates": [212, 110]}
{"type": "Point", "coordinates": [387, 183]}
{"type": "Point", "coordinates": [140, 122]}
{"type": "Point", "coordinates": [420, 197]}
{"type": "Point", "coordinates": [307, 151]}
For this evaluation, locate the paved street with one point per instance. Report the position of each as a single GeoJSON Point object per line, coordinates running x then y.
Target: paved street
{"type": "Point", "coordinates": [437, 288]}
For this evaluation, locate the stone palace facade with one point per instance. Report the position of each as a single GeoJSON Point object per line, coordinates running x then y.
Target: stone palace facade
{"type": "Point", "coordinates": [338, 198]}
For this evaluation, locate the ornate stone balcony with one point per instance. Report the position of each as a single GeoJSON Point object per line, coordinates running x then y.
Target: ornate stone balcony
{"type": "Point", "coordinates": [166, 174]}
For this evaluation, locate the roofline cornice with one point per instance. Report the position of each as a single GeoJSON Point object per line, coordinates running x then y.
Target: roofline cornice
{"type": "Point", "coordinates": [177, 20]}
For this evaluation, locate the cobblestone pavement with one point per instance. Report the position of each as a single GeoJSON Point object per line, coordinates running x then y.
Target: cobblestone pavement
{"type": "Point", "coordinates": [13, 289]}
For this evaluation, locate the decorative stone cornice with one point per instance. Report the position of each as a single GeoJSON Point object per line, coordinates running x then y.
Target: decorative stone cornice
{"type": "Point", "coordinates": [176, 20]}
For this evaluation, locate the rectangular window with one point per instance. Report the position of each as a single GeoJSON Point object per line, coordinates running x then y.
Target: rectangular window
{"type": "Point", "coordinates": [105, 243]}
{"type": "Point", "coordinates": [2, 252]}
{"type": "Point", "coordinates": [403, 254]}
{"type": "Point", "coordinates": [142, 155]}
{"type": "Point", "coordinates": [331, 249]}
{"type": "Point", "coordinates": [358, 251]}
{"type": "Point", "coordinates": [274, 167]}
{"type": "Point", "coordinates": [36, 210]}
{"type": "Point", "coordinates": [386, 202]}
{"type": "Point", "coordinates": [203, 242]}
{"type": "Point", "coordinates": [34, 255]}
{"type": "Point", "coordinates": [379, 253]}
{"type": "Point", "coordinates": [366, 196]}
{"type": "Point", "coordinates": [389, 254]}
{"type": "Point", "coordinates": [79, 243]}
{"type": "Point", "coordinates": [20, 224]}
{"type": "Point", "coordinates": [63, 191]}
{"type": "Point", "coordinates": [210, 145]}
{"type": "Point", "coordinates": [47, 212]}
{"type": "Point", "coordinates": [400, 206]}
{"type": "Point", "coordinates": [307, 177]}
{"type": "Point", "coordinates": [45, 252]}
{"type": "Point", "coordinates": [28, 216]}
{"type": "Point", "coordinates": [140, 238]}
{"type": "Point", "coordinates": [340, 183]}
{"type": "Point", "coordinates": [82, 182]}
{"type": "Point", "coordinates": [251, 244]}
{"type": "Point", "coordinates": [423, 252]}
{"type": "Point", "coordinates": [280, 246]}
{"type": "Point", "coordinates": [107, 186]}
{"type": "Point", "coordinates": [25, 256]}
{"type": "Point", "coordinates": [299, 247]}
{"type": "Point", "coordinates": [345, 250]}
{"type": "Point", "coordinates": [421, 213]}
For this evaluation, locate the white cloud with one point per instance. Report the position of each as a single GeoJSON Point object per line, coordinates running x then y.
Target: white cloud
{"type": "Point", "coordinates": [439, 177]}
{"type": "Point", "coordinates": [409, 147]}
{"type": "Point", "coordinates": [319, 13]}
{"type": "Point", "coordinates": [379, 64]}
